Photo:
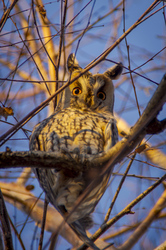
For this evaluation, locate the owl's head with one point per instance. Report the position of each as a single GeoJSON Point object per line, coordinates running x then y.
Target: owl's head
{"type": "Point", "coordinates": [90, 92]}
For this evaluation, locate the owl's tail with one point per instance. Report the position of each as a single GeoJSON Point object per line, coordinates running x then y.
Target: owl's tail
{"type": "Point", "coordinates": [80, 231]}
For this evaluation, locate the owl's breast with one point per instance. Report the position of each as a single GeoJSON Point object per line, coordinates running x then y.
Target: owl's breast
{"type": "Point", "coordinates": [79, 133]}
{"type": "Point", "coordinates": [75, 131]}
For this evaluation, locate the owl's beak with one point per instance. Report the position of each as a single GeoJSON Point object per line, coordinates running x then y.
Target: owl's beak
{"type": "Point", "coordinates": [91, 102]}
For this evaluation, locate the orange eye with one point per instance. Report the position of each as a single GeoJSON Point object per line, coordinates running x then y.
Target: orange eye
{"type": "Point", "coordinates": [101, 95]}
{"type": "Point", "coordinates": [77, 91]}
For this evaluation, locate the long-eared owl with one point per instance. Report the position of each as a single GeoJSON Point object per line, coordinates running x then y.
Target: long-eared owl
{"type": "Point", "coordinates": [82, 124]}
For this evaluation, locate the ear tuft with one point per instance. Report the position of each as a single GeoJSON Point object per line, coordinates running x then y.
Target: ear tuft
{"type": "Point", "coordinates": [115, 71]}
{"type": "Point", "coordinates": [72, 63]}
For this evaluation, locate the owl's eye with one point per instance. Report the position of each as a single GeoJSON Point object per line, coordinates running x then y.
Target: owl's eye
{"type": "Point", "coordinates": [101, 95]}
{"type": "Point", "coordinates": [77, 91]}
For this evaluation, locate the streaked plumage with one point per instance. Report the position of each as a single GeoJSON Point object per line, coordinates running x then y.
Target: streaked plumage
{"type": "Point", "coordinates": [83, 124]}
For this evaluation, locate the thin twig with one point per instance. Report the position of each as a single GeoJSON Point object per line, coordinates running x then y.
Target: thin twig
{"type": "Point", "coordinates": [128, 228]}
{"type": "Point", "coordinates": [6, 14]}
{"type": "Point", "coordinates": [40, 73]}
{"type": "Point", "coordinates": [118, 189]}
{"type": "Point", "coordinates": [43, 45]}
{"type": "Point", "coordinates": [132, 71]}
{"type": "Point", "coordinates": [17, 234]}
{"type": "Point", "coordinates": [128, 55]}
{"type": "Point", "coordinates": [150, 59]}
{"type": "Point", "coordinates": [29, 214]}
{"type": "Point", "coordinates": [61, 42]}
{"type": "Point", "coordinates": [88, 23]}
{"type": "Point", "coordinates": [43, 224]}
{"type": "Point", "coordinates": [62, 31]}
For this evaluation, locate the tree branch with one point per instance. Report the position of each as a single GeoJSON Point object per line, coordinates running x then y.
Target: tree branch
{"type": "Point", "coordinates": [142, 228]}
{"type": "Point", "coordinates": [126, 210]}
{"type": "Point", "coordinates": [6, 14]}
{"type": "Point", "coordinates": [161, 247]}
{"type": "Point", "coordinates": [5, 224]}
{"type": "Point", "coordinates": [155, 155]}
{"type": "Point", "coordinates": [37, 159]}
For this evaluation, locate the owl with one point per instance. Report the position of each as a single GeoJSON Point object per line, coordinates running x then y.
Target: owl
{"type": "Point", "coordinates": [83, 124]}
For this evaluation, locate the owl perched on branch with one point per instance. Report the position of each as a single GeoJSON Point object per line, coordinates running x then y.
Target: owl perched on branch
{"type": "Point", "coordinates": [83, 124]}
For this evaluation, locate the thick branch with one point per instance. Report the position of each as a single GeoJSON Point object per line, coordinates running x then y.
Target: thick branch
{"type": "Point", "coordinates": [155, 155]}
{"type": "Point", "coordinates": [38, 159]}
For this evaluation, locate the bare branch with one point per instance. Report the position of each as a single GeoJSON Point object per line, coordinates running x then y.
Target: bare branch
{"type": "Point", "coordinates": [156, 156]}
{"type": "Point", "coordinates": [131, 241]}
{"type": "Point", "coordinates": [5, 224]}
{"type": "Point", "coordinates": [118, 189]}
{"type": "Point", "coordinates": [125, 211]}
{"type": "Point", "coordinates": [6, 14]}
{"type": "Point", "coordinates": [36, 159]}
{"type": "Point", "coordinates": [23, 178]}
{"type": "Point", "coordinates": [161, 247]}
{"type": "Point", "coordinates": [43, 224]}
{"type": "Point", "coordinates": [128, 228]}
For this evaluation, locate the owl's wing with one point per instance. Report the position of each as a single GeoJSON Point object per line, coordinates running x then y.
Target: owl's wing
{"type": "Point", "coordinates": [45, 177]}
